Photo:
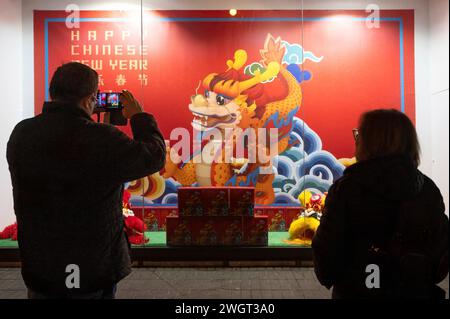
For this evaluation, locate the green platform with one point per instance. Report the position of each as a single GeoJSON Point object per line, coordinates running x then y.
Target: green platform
{"type": "Point", "coordinates": [8, 243]}
{"type": "Point", "coordinates": [158, 239]}
{"type": "Point", "coordinates": [275, 239]}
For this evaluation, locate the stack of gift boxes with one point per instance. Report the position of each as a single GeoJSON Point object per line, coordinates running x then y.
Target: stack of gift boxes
{"type": "Point", "coordinates": [216, 216]}
{"type": "Point", "coordinates": [279, 218]}
{"type": "Point", "coordinates": [155, 217]}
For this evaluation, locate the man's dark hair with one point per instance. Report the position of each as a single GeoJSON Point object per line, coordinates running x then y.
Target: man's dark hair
{"type": "Point", "coordinates": [387, 132]}
{"type": "Point", "coordinates": [73, 82]}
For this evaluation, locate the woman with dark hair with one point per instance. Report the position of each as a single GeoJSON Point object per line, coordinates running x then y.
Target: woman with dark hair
{"type": "Point", "coordinates": [384, 232]}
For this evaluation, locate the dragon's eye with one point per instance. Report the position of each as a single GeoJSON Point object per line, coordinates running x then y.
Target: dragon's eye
{"type": "Point", "coordinates": [221, 100]}
{"type": "Point", "coordinates": [207, 94]}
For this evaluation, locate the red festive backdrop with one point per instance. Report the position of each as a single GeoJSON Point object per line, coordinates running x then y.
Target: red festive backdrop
{"type": "Point", "coordinates": [362, 68]}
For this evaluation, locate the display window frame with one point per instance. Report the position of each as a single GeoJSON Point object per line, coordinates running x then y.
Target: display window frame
{"type": "Point", "coordinates": [284, 249]}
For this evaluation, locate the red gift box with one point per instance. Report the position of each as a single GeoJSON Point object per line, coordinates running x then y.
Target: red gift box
{"type": "Point", "coordinates": [215, 201]}
{"type": "Point", "coordinates": [149, 216]}
{"type": "Point", "coordinates": [256, 231]}
{"type": "Point", "coordinates": [155, 216]}
{"type": "Point", "coordinates": [280, 218]}
{"type": "Point", "coordinates": [259, 211]}
{"type": "Point", "coordinates": [242, 201]}
{"type": "Point", "coordinates": [162, 218]}
{"type": "Point", "coordinates": [151, 220]}
{"type": "Point", "coordinates": [179, 232]}
{"type": "Point", "coordinates": [138, 212]}
{"type": "Point", "coordinates": [276, 219]}
{"type": "Point", "coordinates": [232, 231]}
{"type": "Point", "coordinates": [190, 201]}
{"type": "Point", "coordinates": [206, 231]}
{"type": "Point", "coordinates": [275, 215]}
{"type": "Point", "coordinates": [291, 214]}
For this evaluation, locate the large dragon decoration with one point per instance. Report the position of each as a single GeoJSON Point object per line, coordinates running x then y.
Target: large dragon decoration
{"type": "Point", "coordinates": [234, 100]}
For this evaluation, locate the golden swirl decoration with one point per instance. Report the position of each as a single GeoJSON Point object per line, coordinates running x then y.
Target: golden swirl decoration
{"type": "Point", "coordinates": [151, 187]}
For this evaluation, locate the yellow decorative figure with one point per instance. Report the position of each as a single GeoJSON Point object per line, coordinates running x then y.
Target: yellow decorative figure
{"type": "Point", "coordinates": [302, 230]}
{"type": "Point", "coordinates": [305, 198]}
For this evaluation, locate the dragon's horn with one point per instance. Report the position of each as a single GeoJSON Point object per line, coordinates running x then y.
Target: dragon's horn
{"type": "Point", "coordinates": [252, 107]}
{"type": "Point", "coordinates": [272, 70]}
{"type": "Point", "coordinates": [208, 79]}
{"type": "Point", "coordinates": [240, 99]}
{"type": "Point", "coordinates": [240, 58]}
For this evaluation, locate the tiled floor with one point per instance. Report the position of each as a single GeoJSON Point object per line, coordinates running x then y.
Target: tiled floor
{"type": "Point", "coordinates": [211, 283]}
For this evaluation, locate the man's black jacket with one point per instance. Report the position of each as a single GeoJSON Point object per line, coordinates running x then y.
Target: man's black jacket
{"type": "Point", "coordinates": [67, 174]}
{"type": "Point", "coordinates": [361, 209]}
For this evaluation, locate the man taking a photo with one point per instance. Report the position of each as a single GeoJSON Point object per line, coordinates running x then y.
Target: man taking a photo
{"type": "Point", "coordinates": [67, 174]}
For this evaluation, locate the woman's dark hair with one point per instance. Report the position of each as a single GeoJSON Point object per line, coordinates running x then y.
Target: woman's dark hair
{"type": "Point", "coordinates": [387, 132]}
{"type": "Point", "coordinates": [73, 82]}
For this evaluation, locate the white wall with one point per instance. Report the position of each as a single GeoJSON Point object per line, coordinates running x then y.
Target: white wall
{"type": "Point", "coordinates": [439, 94]}
{"type": "Point", "coordinates": [425, 119]}
{"type": "Point", "coordinates": [11, 92]}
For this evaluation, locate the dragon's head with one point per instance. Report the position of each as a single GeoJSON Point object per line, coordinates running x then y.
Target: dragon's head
{"type": "Point", "coordinates": [229, 97]}
{"type": "Point", "coordinates": [213, 110]}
